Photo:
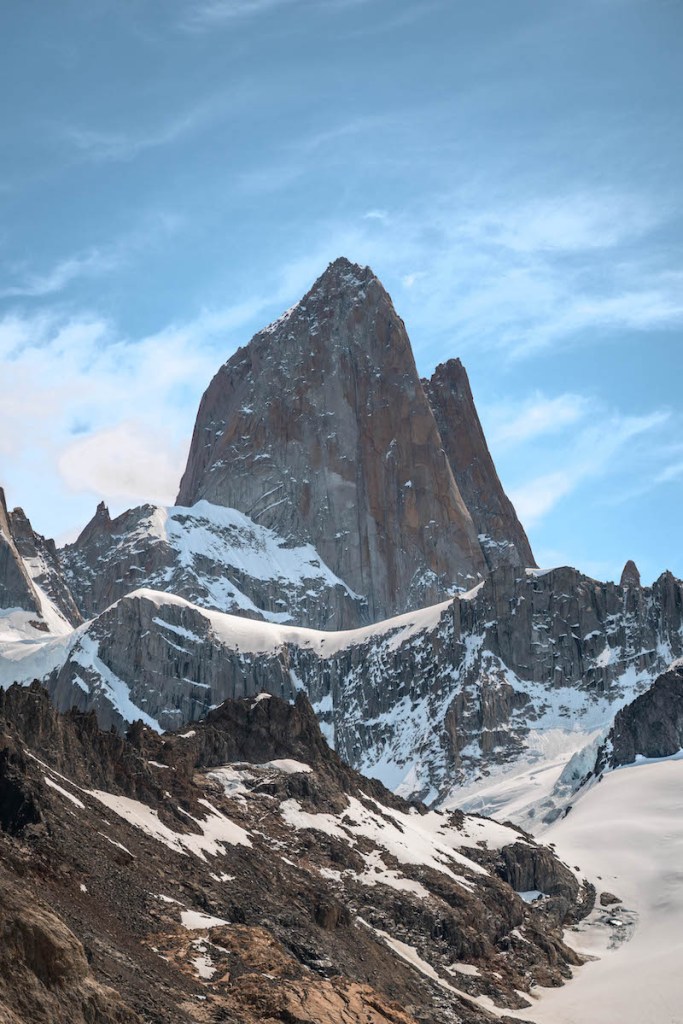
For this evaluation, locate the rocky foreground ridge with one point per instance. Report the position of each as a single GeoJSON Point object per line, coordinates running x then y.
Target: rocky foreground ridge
{"type": "Point", "coordinates": [241, 871]}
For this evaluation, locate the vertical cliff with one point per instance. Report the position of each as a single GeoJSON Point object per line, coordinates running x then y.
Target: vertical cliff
{"type": "Point", "coordinates": [500, 532]}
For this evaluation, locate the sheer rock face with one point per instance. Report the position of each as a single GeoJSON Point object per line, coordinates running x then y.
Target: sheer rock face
{"type": "Point", "coordinates": [321, 430]}
{"type": "Point", "coordinates": [501, 534]}
{"type": "Point", "coordinates": [16, 588]}
{"type": "Point", "coordinates": [29, 567]}
{"type": "Point", "coordinates": [630, 576]}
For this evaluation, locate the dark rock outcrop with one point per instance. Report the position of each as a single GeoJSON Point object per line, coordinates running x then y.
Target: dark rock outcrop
{"type": "Point", "coordinates": [40, 553]}
{"type": "Point", "coordinates": [650, 726]}
{"type": "Point", "coordinates": [16, 588]}
{"type": "Point", "coordinates": [29, 566]}
{"type": "Point", "coordinates": [501, 534]}
{"type": "Point", "coordinates": [321, 430]}
{"type": "Point", "coordinates": [529, 867]}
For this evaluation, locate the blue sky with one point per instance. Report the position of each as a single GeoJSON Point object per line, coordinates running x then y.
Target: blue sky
{"type": "Point", "coordinates": [175, 174]}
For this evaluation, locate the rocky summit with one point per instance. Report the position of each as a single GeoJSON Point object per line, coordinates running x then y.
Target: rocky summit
{"type": "Point", "coordinates": [321, 430]}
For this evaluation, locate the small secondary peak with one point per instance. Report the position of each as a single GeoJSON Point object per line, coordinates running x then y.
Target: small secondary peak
{"type": "Point", "coordinates": [630, 576]}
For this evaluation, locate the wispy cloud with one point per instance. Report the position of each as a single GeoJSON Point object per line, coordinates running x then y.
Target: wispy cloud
{"type": "Point", "coordinates": [103, 145]}
{"type": "Point", "coordinates": [86, 387]}
{"type": "Point", "coordinates": [570, 222]}
{"type": "Point", "coordinates": [126, 461]}
{"type": "Point", "coordinates": [656, 306]}
{"type": "Point", "coordinates": [307, 154]}
{"type": "Point", "coordinates": [212, 13]}
{"type": "Point", "coordinates": [479, 273]}
{"type": "Point", "coordinates": [91, 263]}
{"type": "Point", "coordinates": [593, 455]}
{"type": "Point", "coordinates": [216, 12]}
{"type": "Point", "coordinates": [96, 261]}
{"type": "Point", "coordinates": [538, 416]}
{"type": "Point", "coordinates": [111, 415]}
{"type": "Point", "coordinates": [535, 498]}
{"type": "Point", "coordinates": [672, 472]}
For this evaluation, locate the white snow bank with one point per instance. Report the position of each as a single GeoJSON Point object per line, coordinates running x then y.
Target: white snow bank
{"type": "Point", "coordinates": [626, 834]}
{"type": "Point", "coordinates": [194, 920]}
{"type": "Point", "coordinates": [217, 830]}
{"type": "Point", "coordinates": [53, 785]}
{"type": "Point", "coordinates": [408, 837]}
{"type": "Point", "coordinates": [288, 766]}
{"type": "Point", "coordinates": [254, 637]}
{"type": "Point", "coordinates": [411, 956]}
{"type": "Point", "coordinates": [86, 653]}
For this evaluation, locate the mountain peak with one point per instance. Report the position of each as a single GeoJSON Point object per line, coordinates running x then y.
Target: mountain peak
{"type": "Point", "coordinates": [100, 523]}
{"type": "Point", "coordinates": [320, 430]}
{"type": "Point", "coordinates": [344, 275]}
{"type": "Point", "coordinates": [340, 284]}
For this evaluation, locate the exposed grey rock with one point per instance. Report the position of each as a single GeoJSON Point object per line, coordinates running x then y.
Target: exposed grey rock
{"type": "Point", "coordinates": [630, 577]}
{"type": "Point", "coordinates": [213, 556]}
{"type": "Point", "coordinates": [41, 558]}
{"type": "Point", "coordinates": [501, 534]}
{"type": "Point", "coordinates": [16, 588]}
{"type": "Point", "coordinates": [529, 867]}
{"type": "Point", "coordinates": [650, 726]}
{"type": "Point", "coordinates": [31, 578]}
{"type": "Point", "coordinates": [435, 696]}
{"type": "Point", "coordinates": [321, 430]}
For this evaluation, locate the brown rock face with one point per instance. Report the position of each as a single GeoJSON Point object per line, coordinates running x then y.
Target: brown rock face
{"type": "Point", "coordinates": [501, 534]}
{"type": "Point", "coordinates": [321, 430]}
{"type": "Point", "coordinates": [630, 576]}
{"type": "Point", "coordinates": [44, 972]}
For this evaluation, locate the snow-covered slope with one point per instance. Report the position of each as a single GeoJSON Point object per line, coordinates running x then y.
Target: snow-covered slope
{"type": "Point", "coordinates": [215, 557]}
{"type": "Point", "coordinates": [625, 834]}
